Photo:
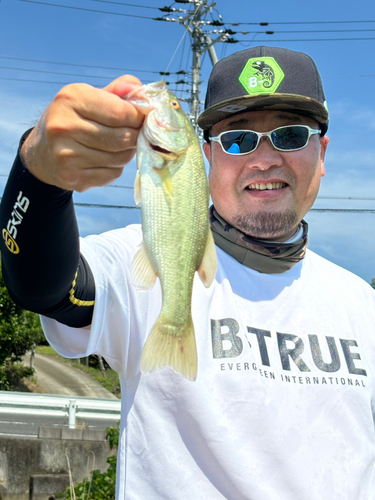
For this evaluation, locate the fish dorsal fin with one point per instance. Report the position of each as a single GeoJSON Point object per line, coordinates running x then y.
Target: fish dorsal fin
{"type": "Point", "coordinates": [143, 276]}
{"type": "Point", "coordinates": [208, 266]}
{"type": "Point", "coordinates": [166, 178]}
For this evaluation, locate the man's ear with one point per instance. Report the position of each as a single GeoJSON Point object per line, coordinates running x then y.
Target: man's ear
{"type": "Point", "coordinates": [207, 150]}
{"type": "Point", "coordinates": [323, 148]}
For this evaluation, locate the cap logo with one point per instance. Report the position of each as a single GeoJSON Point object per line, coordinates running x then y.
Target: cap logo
{"type": "Point", "coordinates": [261, 75]}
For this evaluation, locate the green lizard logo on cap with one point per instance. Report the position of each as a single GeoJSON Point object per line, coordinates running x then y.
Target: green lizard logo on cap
{"type": "Point", "coordinates": [261, 75]}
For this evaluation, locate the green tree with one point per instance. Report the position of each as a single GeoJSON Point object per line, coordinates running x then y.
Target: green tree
{"type": "Point", "coordinates": [102, 485]}
{"type": "Point", "coordinates": [373, 283]}
{"type": "Point", "coordinates": [20, 330]}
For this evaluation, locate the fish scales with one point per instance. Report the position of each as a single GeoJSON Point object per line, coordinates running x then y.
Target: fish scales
{"type": "Point", "coordinates": [176, 234]}
{"type": "Point", "coordinates": [173, 190]}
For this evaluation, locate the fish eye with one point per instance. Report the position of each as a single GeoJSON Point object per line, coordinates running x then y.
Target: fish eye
{"type": "Point", "coordinates": [175, 104]}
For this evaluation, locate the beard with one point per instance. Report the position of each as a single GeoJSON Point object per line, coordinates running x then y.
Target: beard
{"type": "Point", "coordinates": [266, 225]}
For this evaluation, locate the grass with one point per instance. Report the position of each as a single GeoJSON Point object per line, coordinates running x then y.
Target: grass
{"type": "Point", "coordinates": [110, 381]}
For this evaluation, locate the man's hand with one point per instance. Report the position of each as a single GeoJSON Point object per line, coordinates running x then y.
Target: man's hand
{"type": "Point", "coordinates": [85, 137]}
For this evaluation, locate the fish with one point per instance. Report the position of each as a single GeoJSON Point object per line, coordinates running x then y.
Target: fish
{"type": "Point", "coordinates": [172, 189]}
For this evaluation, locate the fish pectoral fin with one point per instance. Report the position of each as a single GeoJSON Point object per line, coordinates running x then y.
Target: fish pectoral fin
{"type": "Point", "coordinates": [166, 178]}
{"type": "Point", "coordinates": [208, 267]}
{"type": "Point", "coordinates": [178, 351]}
{"type": "Point", "coordinates": [137, 188]}
{"type": "Point", "coordinates": [143, 276]}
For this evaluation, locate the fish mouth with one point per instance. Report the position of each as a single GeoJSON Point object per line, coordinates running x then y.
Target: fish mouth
{"type": "Point", "coordinates": [161, 150]}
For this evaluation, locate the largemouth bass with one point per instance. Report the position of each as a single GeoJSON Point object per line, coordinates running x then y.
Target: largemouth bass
{"type": "Point", "coordinates": [171, 186]}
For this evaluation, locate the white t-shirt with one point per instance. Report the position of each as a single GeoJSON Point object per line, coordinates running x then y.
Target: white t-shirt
{"type": "Point", "coordinates": [282, 408]}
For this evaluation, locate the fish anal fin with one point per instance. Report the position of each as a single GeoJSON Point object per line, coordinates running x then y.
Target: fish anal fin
{"type": "Point", "coordinates": [143, 276]}
{"type": "Point", "coordinates": [137, 188]}
{"type": "Point", "coordinates": [208, 266]}
{"type": "Point", "coordinates": [163, 349]}
{"type": "Point", "coordinates": [166, 178]}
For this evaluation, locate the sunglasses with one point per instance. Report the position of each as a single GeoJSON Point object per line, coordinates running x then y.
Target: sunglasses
{"type": "Point", "coordinates": [288, 138]}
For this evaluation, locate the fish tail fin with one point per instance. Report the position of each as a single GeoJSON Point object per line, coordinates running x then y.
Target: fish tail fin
{"type": "Point", "coordinates": [179, 352]}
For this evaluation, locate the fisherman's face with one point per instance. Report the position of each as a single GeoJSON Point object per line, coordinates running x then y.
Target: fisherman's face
{"type": "Point", "coordinates": [265, 213]}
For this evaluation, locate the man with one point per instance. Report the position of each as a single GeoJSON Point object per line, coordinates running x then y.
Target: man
{"type": "Point", "coordinates": [282, 408]}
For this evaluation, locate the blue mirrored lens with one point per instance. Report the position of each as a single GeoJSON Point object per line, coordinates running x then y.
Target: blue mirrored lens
{"type": "Point", "coordinates": [234, 149]}
{"type": "Point", "coordinates": [239, 142]}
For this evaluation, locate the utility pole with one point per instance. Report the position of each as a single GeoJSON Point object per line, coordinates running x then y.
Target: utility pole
{"type": "Point", "coordinates": [200, 43]}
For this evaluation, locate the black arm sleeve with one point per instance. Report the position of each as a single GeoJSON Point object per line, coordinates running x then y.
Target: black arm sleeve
{"type": "Point", "coordinates": [41, 263]}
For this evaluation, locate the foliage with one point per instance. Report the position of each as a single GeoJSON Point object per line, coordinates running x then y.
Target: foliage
{"type": "Point", "coordinates": [102, 485]}
{"type": "Point", "coordinates": [373, 283]}
{"type": "Point", "coordinates": [20, 330]}
{"type": "Point", "coordinates": [113, 435]}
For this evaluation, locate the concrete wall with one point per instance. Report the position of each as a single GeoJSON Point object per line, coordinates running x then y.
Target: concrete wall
{"type": "Point", "coordinates": [37, 468]}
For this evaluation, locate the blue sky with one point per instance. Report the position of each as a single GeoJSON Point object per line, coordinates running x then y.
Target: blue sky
{"type": "Point", "coordinates": [96, 47]}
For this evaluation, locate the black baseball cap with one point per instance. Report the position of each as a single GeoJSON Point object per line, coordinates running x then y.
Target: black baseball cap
{"type": "Point", "coordinates": [264, 78]}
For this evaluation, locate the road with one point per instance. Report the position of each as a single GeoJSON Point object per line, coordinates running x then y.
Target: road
{"type": "Point", "coordinates": [54, 377]}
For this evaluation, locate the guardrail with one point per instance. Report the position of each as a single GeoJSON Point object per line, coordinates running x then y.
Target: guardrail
{"type": "Point", "coordinates": [71, 406]}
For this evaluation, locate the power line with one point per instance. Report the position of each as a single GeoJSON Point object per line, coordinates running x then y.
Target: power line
{"type": "Point", "coordinates": [108, 186]}
{"type": "Point", "coordinates": [351, 198]}
{"type": "Point", "coordinates": [208, 23]}
{"type": "Point", "coordinates": [354, 198]}
{"type": "Point", "coordinates": [131, 207]}
{"type": "Point", "coordinates": [344, 210]}
{"type": "Point", "coordinates": [201, 41]}
{"type": "Point", "coordinates": [300, 22]}
{"type": "Point", "coordinates": [96, 86]}
{"type": "Point", "coordinates": [323, 31]}
{"type": "Point", "coordinates": [126, 4]}
{"type": "Point", "coordinates": [273, 32]}
{"type": "Point", "coordinates": [83, 65]}
{"type": "Point", "coordinates": [161, 73]}
{"type": "Point", "coordinates": [162, 9]}
{"type": "Point", "coordinates": [99, 205]}
{"type": "Point", "coordinates": [118, 186]}
{"type": "Point", "coordinates": [54, 72]}
{"type": "Point", "coordinates": [80, 75]}
{"type": "Point", "coordinates": [295, 40]}
{"type": "Point", "coordinates": [84, 9]}
{"type": "Point", "coordinates": [344, 198]}
{"type": "Point", "coordinates": [32, 81]}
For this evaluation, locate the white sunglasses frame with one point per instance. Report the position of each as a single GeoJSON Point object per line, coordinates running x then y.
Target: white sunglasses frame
{"type": "Point", "coordinates": [311, 131]}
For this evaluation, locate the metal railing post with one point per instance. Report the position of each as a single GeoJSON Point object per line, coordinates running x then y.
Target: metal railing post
{"type": "Point", "coordinates": [72, 413]}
